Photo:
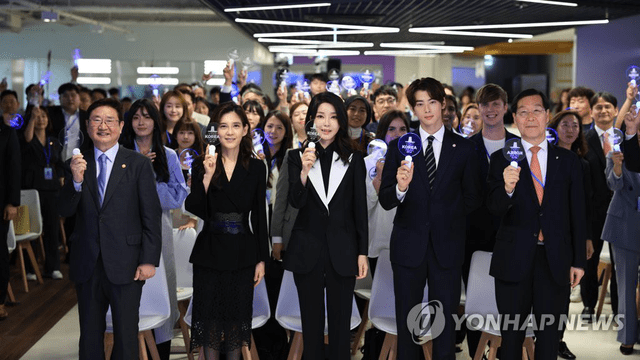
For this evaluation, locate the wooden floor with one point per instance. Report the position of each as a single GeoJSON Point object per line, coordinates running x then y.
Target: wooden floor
{"type": "Point", "coordinates": [37, 312]}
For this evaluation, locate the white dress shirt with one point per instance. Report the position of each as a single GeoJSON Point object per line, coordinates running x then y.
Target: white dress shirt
{"type": "Point", "coordinates": [543, 153]}
{"type": "Point", "coordinates": [111, 157]}
{"type": "Point", "coordinates": [437, 148]}
{"type": "Point", "coordinates": [600, 132]}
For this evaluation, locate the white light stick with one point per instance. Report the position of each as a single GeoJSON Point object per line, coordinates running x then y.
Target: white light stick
{"type": "Point", "coordinates": [514, 164]}
{"type": "Point", "coordinates": [409, 159]}
{"type": "Point", "coordinates": [211, 149]}
{"type": "Point", "coordinates": [311, 145]}
{"type": "Point", "coordinates": [76, 151]}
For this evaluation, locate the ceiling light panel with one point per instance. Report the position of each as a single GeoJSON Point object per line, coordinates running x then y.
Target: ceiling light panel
{"type": "Point", "coordinates": [278, 7]}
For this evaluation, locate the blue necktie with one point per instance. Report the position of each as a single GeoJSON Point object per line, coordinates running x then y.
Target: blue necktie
{"type": "Point", "coordinates": [102, 178]}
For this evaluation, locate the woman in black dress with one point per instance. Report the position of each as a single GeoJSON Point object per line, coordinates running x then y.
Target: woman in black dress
{"type": "Point", "coordinates": [229, 254]}
{"type": "Point", "coordinates": [329, 241]}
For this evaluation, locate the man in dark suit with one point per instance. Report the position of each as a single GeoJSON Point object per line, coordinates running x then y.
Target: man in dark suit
{"type": "Point", "coordinates": [481, 225]}
{"type": "Point", "coordinates": [70, 118]}
{"type": "Point", "coordinates": [604, 110]}
{"type": "Point", "coordinates": [9, 200]}
{"type": "Point", "coordinates": [540, 246]}
{"type": "Point", "coordinates": [428, 237]}
{"type": "Point", "coordinates": [117, 241]}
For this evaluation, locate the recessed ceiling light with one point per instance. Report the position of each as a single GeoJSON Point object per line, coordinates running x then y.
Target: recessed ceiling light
{"type": "Point", "coordinates": [158, 70]}
{"type": "Point", "coordinates": [548, 2]}
{"type": "Point", "coordinates": [276, 7]}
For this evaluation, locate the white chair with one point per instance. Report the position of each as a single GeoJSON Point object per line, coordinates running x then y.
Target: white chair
{"type": "Point", "coordinates": [32, 200]}
{"type": "Point", "coordinates": [11, 245]}
{"type": "Point", "coordinates": [382, 309]}
{"type": "Point", "coordinates": [154, 311]}
{"type": "Point", "coordinates": [288, 314]}
{"type": "Point", "coordinates": [261, 314]}
{"type": "Point", "coordinates": [183, 241]}
{"type": "Point", "coordinates": [363, 291]}
{"type": "Point", "coordinates": [481, 300]}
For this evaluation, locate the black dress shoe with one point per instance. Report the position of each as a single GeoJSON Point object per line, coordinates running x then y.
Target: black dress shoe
{"type": "Point", "coordinates": [587, 315]}
{"type": "Point", "coordinates": [626, 350]}
{"type": "Point", "coordinates": [564, 352]}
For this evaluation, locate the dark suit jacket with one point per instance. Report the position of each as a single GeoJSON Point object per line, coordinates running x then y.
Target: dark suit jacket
{"type": "Point", "coordinates": [561, 217]}
{"type": "Point", "coordinates": [338, 219]}
{"type": "Point", "coordinates": [284, 215]}
{"type": "Point", "coordinates": [601, 193]}
{"type": "Point", "coordinates": [56, 116]}
{"type": "Point", "coordinates": [481, 225]}
{"type": "Point", "coordinates": [438, 216]}
{"type": "Point", "coordinates": [246, 192]}
{"type": "Point", "coordinates": [10, 167]}
{"type": "Point", "coordinates": [126, 230]}
{"type": "Point", "coordinates": [632, 154]}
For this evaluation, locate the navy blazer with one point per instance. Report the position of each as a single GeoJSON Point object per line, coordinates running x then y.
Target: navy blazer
{"type": "Point", "coordinates": [481, 225]}
{"type": "Point", "coordinates": [125, 230]}
{"type": "Point", "coordinates": [336, 217]}
{"type": "Point", "coordinates": [56, 117]}
{"type": "Point", "coordinates": [438, 217]}
{"type": "Point", "coordinates": [561, 217]}
{"type": "Point", "coordinates": [622, 226]}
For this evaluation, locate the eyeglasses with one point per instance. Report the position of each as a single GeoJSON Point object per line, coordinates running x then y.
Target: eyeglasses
{"type": "Point", "coordinates": [523, 114]}
{"type": "Point", "coordinates": [109, 122]}
{"type": "Point", "coordinates": [389, 100]}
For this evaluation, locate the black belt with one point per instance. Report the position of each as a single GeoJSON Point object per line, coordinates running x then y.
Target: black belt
{"type": "Point", "coordinates": [228, 223]}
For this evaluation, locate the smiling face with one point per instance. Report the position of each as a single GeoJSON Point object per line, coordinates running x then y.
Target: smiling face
{"type": "Point", "coordinates": [274, 131]}
{"type": "Point", "coordinates": [396, 129]}
{"type": "Point", "coordinates": [428, 111]}
{"type": "Point", "coordinates": [604, 113]}
{"type": "Point", "coordinates": [142, 123]}
{"type": "Point", "coordinates": [357, 114]}
{"type": "Point", "coordinates": [40, 117]}
{"type": "Point", "coordinates": [202, 108]}
{"type": "Point", "coordinates": [104, 128]}
{"type": "Point", "coordinates": [568, 130]}
{"type": "Point", "coordinates": [581, 105]}
{"type": "Point", "coordinates": [231, 131]}
{"type": "Point", "coordinates": [186, 138]}
{"type": "Point", "coordinates": [298, 118]}
{"type": "Point", "coordinates": [173, 109]}
{"type": "Point", "coordinates": [531, 118]}
{"type": "Point", "coordinates": [326, 121]}
{"type": "Point", "coordinates": [384, 103]}
{"type": "Point", "coordinates": [492, 112]}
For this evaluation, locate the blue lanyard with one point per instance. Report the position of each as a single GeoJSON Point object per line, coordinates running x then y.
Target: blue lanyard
{"type": "Point", "coordinates": [47, 154]}
{"type": "Point", "coordinates": [67, 128]}
{"type": "Point", "coordinates": [168, 138]}
{"type": "Point", "coordinates": [536, 178]}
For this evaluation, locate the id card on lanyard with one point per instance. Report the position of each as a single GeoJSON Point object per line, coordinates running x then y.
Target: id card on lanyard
{"type": "Point", "coordinates": [48, 170]}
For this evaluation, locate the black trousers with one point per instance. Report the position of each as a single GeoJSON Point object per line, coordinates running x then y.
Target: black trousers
{"type": "Point", "coordinates": [94, 297]}
{"type": "Point", "coordinates": [339, 304]}
{"type": "Point", "coordinates": [444, 286]}
{"type": "Point", "coordinates": [515, 300]}
{"type": "Point", "coordinates": [590, 282]}
{"type": "Point", "coordinates": [4, 259]}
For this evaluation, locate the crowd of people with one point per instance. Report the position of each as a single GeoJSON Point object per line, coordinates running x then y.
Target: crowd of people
{"type": "Point", "coordinates": [324, 208]}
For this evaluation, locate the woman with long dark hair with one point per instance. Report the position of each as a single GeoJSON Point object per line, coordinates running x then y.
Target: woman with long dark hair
{"type": "Point", "coordinates": [173, 108]}
{"type": "Point", "coordinates": [328, 244]}
{"type": "Point", "coordinates": [359, 113]}
{"type": "Point", "coordinates": [279, 137]}
{"type": "Point", "coordinates": [143, 133]}
{"type": "Point", "coordinates": [228, 192]}
{"type": "Point", "coordinates": [568, 125]}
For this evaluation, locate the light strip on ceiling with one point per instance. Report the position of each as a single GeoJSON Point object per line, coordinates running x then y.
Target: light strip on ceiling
{"type": "Point", "coordinates": [157, 81]}
{"type": "Point", "coordinates": [158, 70]}
{"type": "Point", "coordinates": [312, 52]}
{"type": "Point", "coordinates": [93, 80]}
{"type": "Point", "coordinates": [548, 2]}
{"type": "Point", "coordinates": [425, 46]}
{"type": "Point", "coordinates": [410, 52]}
{"type": "Point", "coordinates": [513, 26]}
{"type": "Point", "coordinates": [326, 46]}
{"type": "Point", "coordinates": [277, 7]}
{"type": "Point", "coordinates": [472, 33]}
{"type": "Point", "coordinates": [322, 33]}
{"type": "Point", "coordinates": [313, 42]}
{"type": "Point", "coordinates": [94, 66]}
{"type": "Point", "coordinates": [313, 24]}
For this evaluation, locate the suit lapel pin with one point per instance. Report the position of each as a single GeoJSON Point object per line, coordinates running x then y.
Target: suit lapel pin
{"type": "Point", "coordinates": [124, 166]}
{"type": "Point", "coordinates": [454, 145]}
{"type": "Point", "coordinates": [556, 158]}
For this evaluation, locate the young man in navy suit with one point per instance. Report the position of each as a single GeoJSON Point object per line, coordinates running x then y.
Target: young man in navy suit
{"type": "Point", "coordinates": [428, 238]}
{"type": "Point", "coordinates": [540, 248]}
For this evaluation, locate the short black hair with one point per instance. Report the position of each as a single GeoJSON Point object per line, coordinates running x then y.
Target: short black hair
{"type": "Point", "coordinates": [447, 86]}
{"type": "Point", "coordinates": [114, 91]}
{"type": "Point", "coordinates": [581, 91]}
{"type": "Point", "coordinates": [7, 93]}
{"type": "Point", "coordinates": [99, 91]}
{"type": "Point", "coordinates": [608, 97]}
{"type": "Point", "coordinates": [319, 76]}
{"type": "Point", "coordinates": [384, 90]}
{"type": "Point", "coordinates": [214, 90]}
{"type": "Point", "coordinates": [28, 89]}
{"type": "Point", "coordinates": [432, 86]}
{"type": "Point", "coordinates": [190, 93]}
{"type": "Point", "coordinates": [68, 87]}
{"type": "Point", "coordinates": [126, 99]}
{"type": "Point", "coordinates": [529, 92]}
{"type": "Point", "coordinates": [112, 103]}
{"type": "Point", "coordinates": [85, 90]}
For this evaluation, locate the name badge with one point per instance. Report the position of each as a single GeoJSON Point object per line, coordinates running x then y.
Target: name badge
{"type": "Point", "coordinates": [48, 173]}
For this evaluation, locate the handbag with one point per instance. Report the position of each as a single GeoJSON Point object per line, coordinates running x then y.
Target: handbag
{"type": "Point", "coordinates": [22, 224]}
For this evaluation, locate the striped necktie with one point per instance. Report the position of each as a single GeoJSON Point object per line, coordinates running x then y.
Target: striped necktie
{"type": "Point", "coordinates": [430, 160]}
